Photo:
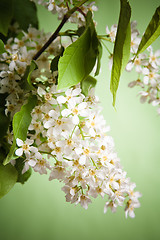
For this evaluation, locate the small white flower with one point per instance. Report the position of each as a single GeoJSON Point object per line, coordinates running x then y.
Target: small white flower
{"type": "Point", "coordinates": [129, 210]}
{"type": "Point", "coordinates": [25, 147]}
{"type": "Point", "coordinates": [112, 33]}
{"type": "Point", "coordinates": [110, 204]}
{"type": "Point", "coordinates": [84, 200]}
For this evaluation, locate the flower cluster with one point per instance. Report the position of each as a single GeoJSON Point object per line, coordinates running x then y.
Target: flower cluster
{"type": "Point", "coordinates": [68, 136]}
{"type": "Point", "coordinates": [18, 55]}
{"type": "Point", "coordinates": [146, 65]}
{"type": "Point", "coordinates": [61, 8]}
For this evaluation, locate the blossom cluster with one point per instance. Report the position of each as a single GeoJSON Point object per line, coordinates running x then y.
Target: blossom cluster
{"type": "Point", "coordinates": [61, 8]}
{"type": "Point", "coordinates": [146, 65]}
{"type": "Point", "coordinates": [18, 55]}
{"type": "Point", "coordinates": [68, 137]}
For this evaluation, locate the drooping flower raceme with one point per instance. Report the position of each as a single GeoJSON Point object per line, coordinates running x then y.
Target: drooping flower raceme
{"type": "Point", "coordinates": [72, 142]}
{"type": "Point", "coordinates": [146, 65]}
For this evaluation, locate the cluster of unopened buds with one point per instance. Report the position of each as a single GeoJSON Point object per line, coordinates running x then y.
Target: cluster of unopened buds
{"type": "Point", "coordinates": [68, 136]}
{"type": "Point", "coordinates": [146, 65]}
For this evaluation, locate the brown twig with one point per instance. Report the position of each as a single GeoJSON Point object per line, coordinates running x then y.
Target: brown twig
{"type": "Point", "coordinates": [55, 34]}
{"type": "Point", "coordinates": [51, 39]}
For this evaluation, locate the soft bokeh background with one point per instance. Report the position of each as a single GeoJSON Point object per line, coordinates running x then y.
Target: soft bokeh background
{"type": "Point", "coordinates": [38, 209]}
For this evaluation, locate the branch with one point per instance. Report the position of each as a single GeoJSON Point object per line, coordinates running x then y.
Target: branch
{"type": "Point", "coordinates": [55, 34]}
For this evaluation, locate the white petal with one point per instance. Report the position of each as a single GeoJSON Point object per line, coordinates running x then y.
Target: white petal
{"type": "Point", "coordinates": [131, 214]}
{"type": "Point", "coordinates": [78, 151]}
{"type": "Point", "coordinates": [60, 143]}
{"type": "Point", "coordinates": [82, 160]}
{"type": "Point", "coordinates": [107, 30]}
{"type": "Point", "coordinates": [84, 113]}
{"type": "Point", "coordinates": [29, 141]}
{"type": "Point", "coordinates": [71, 103]}
{"type": "Point", "coordinates": [82, 105]}
{"type": "Point", "coordinates": [33, 149]}
{"type": "Point", "coordinates": [68, 92]}
{"type": "Point", "coordinates": [52, 113]}
{"type": "Point", "coordinates": [25, 168]}
{"type": "Point", "coordinates": [50, 7]}
{"type": "Point", "coordinates": [75, 120]}
{"type": "Point", "coordinates": [153, 82]}
{"type": "Point", "coordinates": [76, 92]}
{"type": "Point", "coordinates": [32, 163]}
{"type": "Point", "coordinates": [157, 53]}
{"type": "Point", "coordinates": [19, 152]}
{"type": "Point", "coordinates": [38, 156]}
{"type": "Point", "coordinates": [52, 101]}
{"type": "Point", "coordinates": [61, 99]}
{"type": "Point", "coordinates": [49, 124]}
{"type": "Point", "coordinates": [65, 112]}
{"type": "Point", "coordinates": [41, 91]}
{"type": "Point", "coordinates": [105, 208]}
{"type": "Point", "coordinates": [155, 103]}
{"type": "Point", "coordinates": [129, 66]}
{"type": "Point", "coordinates": [145, 71]}
{"type": "Point", "coordinates": [146, 80]}
{"type": "Point", "coordinates": [12, 65]}
{"type": "Point", "coordinates": [92, 132]}
{"type": "Point", "coordinates": [19, 142]}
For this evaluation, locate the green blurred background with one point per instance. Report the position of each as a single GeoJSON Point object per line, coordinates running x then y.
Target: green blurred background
{"type": "Point", "coordinates": [38, 209]}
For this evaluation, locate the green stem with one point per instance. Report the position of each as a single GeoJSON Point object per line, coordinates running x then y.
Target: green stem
{"type": "Point", "coordinates": [44, 152]}
{"type": "Point", "coordinates": [81, 131]}
{"type": "Point", "coordinates": [73, 131]}
{"type": "Point", "coordinates": [67, 159]}
{"type": "Point", "coordinates": [104, 38]}
{"type": "Point", "coordinates": [93, 162]}
{"type": "Point", "coordinates": [67, 34]}
{"type": "Point", "coordinates": [106, 48]}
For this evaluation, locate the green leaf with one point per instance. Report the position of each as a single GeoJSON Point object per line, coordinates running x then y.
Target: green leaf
{"type": "Point", "coordinates": [8, 177]}
{"type": "Point", "coordinates": [88, 83]}
{"type": "Point", "coordinates": [122, 47]}
{"type": "Point", "coordinates": [21, 122]}
{"type": "Point", "coordinates": [126, 48]}
{"type": "Point", "coordinates": [79, 58]}
{"type": "Point", "coordinates": [2, 154]}
{"type": "Point", "coordinates": [22, 178]}
{"type": "Point", "coordinates": [3, 99]}
{"type": "Point", "coordinates": [152, 32]}
{"type": "Point", "coordinates": [22, 119]}
{"type": "Point", "coordinates": [71, 66]}
{"type": "Point", "coordinates": [2, 49]}
{"type": "Point", "coordinates": [33, 66]}
{"type": "Point", "coordinates": [11, 155]}
{"type": "Point", "coordinates": [6, 11]}
{"type": "Point", "coordinates": [25, 13]}
{"type": "Point", "coordinates": [4, 120]}
{"type": "Point", "coordinates": [54, 63]}
{"type": "Point", "coordinates": [4, 123]}
{"type": "Point", "coordinates": [99, 58]}
{"type": "Point", "coordinates": [26, 82]}
{"type": "Point", "coordinates": [80, 31]}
